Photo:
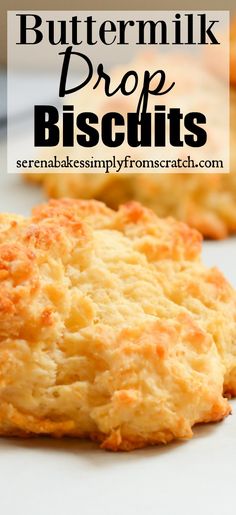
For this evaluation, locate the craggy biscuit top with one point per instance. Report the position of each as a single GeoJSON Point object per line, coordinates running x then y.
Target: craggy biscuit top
{"type": "Point", "coordinates": [110, 326]}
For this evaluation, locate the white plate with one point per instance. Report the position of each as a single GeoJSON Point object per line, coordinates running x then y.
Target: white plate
{"type": "Point", "coordinates": [44, 477]}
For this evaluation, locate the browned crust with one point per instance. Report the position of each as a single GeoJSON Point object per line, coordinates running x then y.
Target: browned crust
{"type": "Point", "coordinates": [61, 234]}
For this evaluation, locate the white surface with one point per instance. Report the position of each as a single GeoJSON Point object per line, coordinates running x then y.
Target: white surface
{"type": "Point", "coordinates": [45, 477]}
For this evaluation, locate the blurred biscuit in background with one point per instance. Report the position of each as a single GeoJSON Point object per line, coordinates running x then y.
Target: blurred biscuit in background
{"type": "Point", "coordinates": [233, 52]}
{"type": "Point", "coordinates": [205, 201]}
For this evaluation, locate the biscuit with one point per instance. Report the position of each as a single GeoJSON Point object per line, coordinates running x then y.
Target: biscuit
{"type": "Point", "coordinates": [205, 201]}
{"type": "Point", "coordinates": [111, 327]}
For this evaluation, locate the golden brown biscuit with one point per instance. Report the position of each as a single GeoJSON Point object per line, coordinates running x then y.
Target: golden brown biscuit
{"type": "Point", "coordinates": [110, 326]}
